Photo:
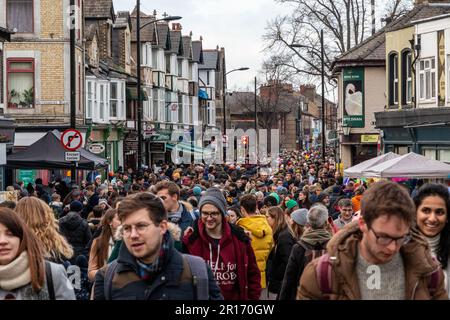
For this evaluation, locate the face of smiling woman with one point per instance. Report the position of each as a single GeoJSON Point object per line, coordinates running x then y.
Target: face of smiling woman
{"type": "Point", "coordinates": [9, 245]}
{"type": "Point", "coordinates": [432, 216]}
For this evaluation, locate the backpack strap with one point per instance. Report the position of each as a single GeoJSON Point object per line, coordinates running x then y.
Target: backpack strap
{"type": "Point", "coordinates": [107, 282]}
{"type": "Point", "coordinates": [199, 276]}
{"type": "Point", "coordinates": [49, 279]}
{"type": "Point", "coordinates": [323, 274]}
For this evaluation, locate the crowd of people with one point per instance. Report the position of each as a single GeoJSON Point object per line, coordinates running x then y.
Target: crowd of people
{"type": "Point", "coordinates": [232, 232]}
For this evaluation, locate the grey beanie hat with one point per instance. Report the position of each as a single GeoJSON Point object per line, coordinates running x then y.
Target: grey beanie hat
{"type": "Point", "coordinates": [300, 216]}
{"type": "Point", "coordinates": [215, 197]}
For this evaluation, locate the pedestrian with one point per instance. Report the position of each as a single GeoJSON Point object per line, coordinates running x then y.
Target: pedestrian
{"type": "Point", "coordinates": [226, 248]}
{"type": "Point", "coordinates": [284, 239]}
{"type": "Point", "coordinates": [103, 245]}
{"type": "Point", "coordinates": [39, 217]}
{"type": "Point", "coordinates": [346, 213]}
{"type": "Point", "coordinates": [298, 218]}
{"type": "Point", "coordinates": [169, 192]}
{"type": "Point", "coordinates": [233, 215]}
{"type": "Point", "coordinates": [311, 244]}
{"type": "Point", "coordinates": [356, 199]}
{"type": "Point", "coordinates": [261, 234]}
{"type": "Point", "coordinates": [76, 230]}
{"type": "Point", "coordinates": [433, 204]}
{"type": "Point", "coordinates": [380, 239]}
{"type": "Point", "coordinates": [24, 274]}
{"type": "Point", "coordinates": [148, 266]}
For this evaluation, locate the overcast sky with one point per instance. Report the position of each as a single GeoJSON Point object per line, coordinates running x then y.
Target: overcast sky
{"type": "Point", "coordinates": [236, 25]}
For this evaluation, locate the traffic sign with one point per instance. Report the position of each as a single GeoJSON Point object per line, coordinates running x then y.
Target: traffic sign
{"type": "Point", "coordinates": [71, 139]}
{"type": "Point", "coordinates": [72, 156]}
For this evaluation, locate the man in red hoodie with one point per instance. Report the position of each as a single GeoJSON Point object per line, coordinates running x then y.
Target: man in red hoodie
{"type": "Point", "coordinates": [226, 248]}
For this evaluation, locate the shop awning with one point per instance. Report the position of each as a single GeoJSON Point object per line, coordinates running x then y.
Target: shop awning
{"type": "Point", "coordinates": [202, 94]}
{"type": "Point", "coordinates": [132, 94]}
{"type": "Point", "coordinates": [48, 153]}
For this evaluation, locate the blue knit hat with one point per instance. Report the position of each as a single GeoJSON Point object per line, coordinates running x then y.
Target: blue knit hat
{"type": "Point", "coordinates": [197, 191]}
{"type": "Point", "coordinates": [76, 206]}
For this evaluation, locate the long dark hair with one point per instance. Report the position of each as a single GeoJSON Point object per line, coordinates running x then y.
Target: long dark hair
{"type": "Point", "coordinates": [28, 243]}
{"type": "Point", "coordinates": [438, 190]}
{"type": "Point", "coordinates": [102, 243]}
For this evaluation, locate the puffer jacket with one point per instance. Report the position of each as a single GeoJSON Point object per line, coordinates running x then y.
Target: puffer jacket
{"type": "Point", "coordinates": [77, 232]}
{"type": "Point", "coordinates": [343, 247]}
{"type": "Point", "coordinates": [262, 240]}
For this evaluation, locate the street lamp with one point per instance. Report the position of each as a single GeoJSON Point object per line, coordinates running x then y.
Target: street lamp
{"type": "Point", "coordinates": [346, 129]}
{"type": "Point", "coordinates": [138, 74]}
{"type": "Point", "coordinates": [323, 86]}
{"type": "Point", "coordinates": [224, 95]}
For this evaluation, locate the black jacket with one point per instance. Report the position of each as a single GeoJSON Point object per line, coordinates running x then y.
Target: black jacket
{"type": "Point", "coordinates": [92, 202]}
{"type": "Point", "coordinates": [294, 269]}
{"type": "Point", "coordinates": [166, 286]}
{"type": "Point", "coordinates": [280, 256]}
{"type": "Point", "coordinates": [77, 232]}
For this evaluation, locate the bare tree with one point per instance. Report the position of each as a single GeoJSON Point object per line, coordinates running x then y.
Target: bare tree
{"type": "Point", "coordinates": [345, 25]}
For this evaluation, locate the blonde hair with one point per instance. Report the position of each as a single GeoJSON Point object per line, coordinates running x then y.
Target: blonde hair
{"type": "Point", "coordinates": [40, 219]}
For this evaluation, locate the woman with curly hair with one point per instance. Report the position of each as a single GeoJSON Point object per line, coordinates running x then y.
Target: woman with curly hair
{"type": "Point", "coordinates": [24, 274]}
{"type": "Point", "coordinates": [40, 219]}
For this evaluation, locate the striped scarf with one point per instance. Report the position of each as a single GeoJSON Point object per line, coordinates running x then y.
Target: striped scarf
{"type": "Point", "coordinates": [147, 272]}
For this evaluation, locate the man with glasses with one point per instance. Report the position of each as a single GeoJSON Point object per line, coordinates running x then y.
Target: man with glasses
{"type": "Point", "coordinates": [148, 266]}
{"type": "Point", "coordinates": [225, 247]}
{"type": "Point", "coordinates": [375, 258]}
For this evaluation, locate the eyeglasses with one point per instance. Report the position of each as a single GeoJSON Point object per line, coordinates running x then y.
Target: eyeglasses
{"type": "Point", "coordinates": [140, 228]}
{"type": "Point", "coordinates": [213, 215]}
{"type": "Point", "coordinates": [385, 240]}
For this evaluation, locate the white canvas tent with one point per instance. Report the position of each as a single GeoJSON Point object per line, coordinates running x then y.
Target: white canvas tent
{"type": "Point", "coordinates": [358, 170]}
{"type": "Point", "coordinates": [411, 165]}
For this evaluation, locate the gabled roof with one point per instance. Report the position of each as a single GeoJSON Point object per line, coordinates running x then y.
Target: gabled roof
{"type": "Point", "coordinates": [371, 51]}
{"type": "Point", "coordinates": [419, 12]}
{"type": "Point", "coordinates": [197, 51]}
{"type": "Point", "coordinates": [99, 9]}
{"type": "Point", "coordinates": [176, 42]}
{"type": "Point", "coordinates": [123, 20]}
{"type": "Point", "coordinates": [187, 47]}
{"type": "Point", "coordinates": [90, 32]}
{"type": "Point", "coordinates": [210, 60]}
{"type": "Point", "coordinates": [163, 35]}
{"type": "Point", "coordinates": [148, 32]}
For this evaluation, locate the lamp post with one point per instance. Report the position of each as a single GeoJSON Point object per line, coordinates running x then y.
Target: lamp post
{"type": "Point", "coordinates": [138, 74]}
{"type": "Point", "coordinates": [223, 108]}
{"type": "Point", "coordinates": [323, 86]}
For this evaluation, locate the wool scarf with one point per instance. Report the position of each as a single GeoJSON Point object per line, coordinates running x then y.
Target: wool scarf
{"type": "Point", "coordinates": [16, 274]}
{"type": "Point", "coordinates": [148, 272]}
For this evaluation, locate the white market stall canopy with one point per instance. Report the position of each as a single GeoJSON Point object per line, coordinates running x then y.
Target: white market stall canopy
{"type": "Point", "coordinates": [411, 165]}
{"type": "Point", "coordinates": [358, 170]}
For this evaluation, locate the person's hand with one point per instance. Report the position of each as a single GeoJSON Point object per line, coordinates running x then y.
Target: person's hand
{"type": "Point", "coordinates": [188, 231]}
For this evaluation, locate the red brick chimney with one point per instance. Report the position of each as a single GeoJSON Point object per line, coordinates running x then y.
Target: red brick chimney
{"type": "Point", "coordinates": [308, 90]}
{"type": "Point", "coordinates": [176, 27]}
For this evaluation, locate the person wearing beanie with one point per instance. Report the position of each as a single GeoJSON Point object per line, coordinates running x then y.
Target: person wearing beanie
{"type": "Point", "coordinates": [197, 192]}
{"type": "Point", "coordinates": [313, 241]}
{"type": "Point", "coordinates": [261, 233]}
{"type": "Point", "coordinates": [76, 230]}
{"type": "Point", "coordinates": [225, 247]}
{"type": "Point", "coordinates": [276, 196]}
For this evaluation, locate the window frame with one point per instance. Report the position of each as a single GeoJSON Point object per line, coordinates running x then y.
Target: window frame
{"type": "Point", "coordinates": [407, 82]}
{"type": "Point", "coordinates": [427, 77]}
{"type": "Point", "coordinates": [32, 16]}
{"type": "Point", "coordinates": [393, 79]}
{"type": "Point", "coordinates": [9, 61]}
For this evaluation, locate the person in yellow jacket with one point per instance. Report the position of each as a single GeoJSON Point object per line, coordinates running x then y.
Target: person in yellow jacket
{"type": "Point", "coordinates": [261, 233]}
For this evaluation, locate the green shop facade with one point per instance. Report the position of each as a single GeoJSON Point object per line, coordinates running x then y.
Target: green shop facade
{"type": "Point", "coordinates": [423, 131]}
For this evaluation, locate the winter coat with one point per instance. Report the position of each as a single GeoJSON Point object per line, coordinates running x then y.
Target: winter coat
{"type": "Point", "coordinates": [296, 264]}
{"type": "Point", "coordinates": [356, 202]}
{"type": "Point", "coordinates": [77, 232]}
{"type": "Point", "coordinates": [236, 260]}
{"type": "Point", "coordinates": [127, 285]}
{"type": "Point", "coordinates": [280, 256]}
{"type": "Point", "coordinates": [262, 240]}
{"type": "Point", "coordinates": [14, 284]}
{"type": "Point", "coordinates": [92, 202]}
{"type": "Point", "coordinates": [343, 248]}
